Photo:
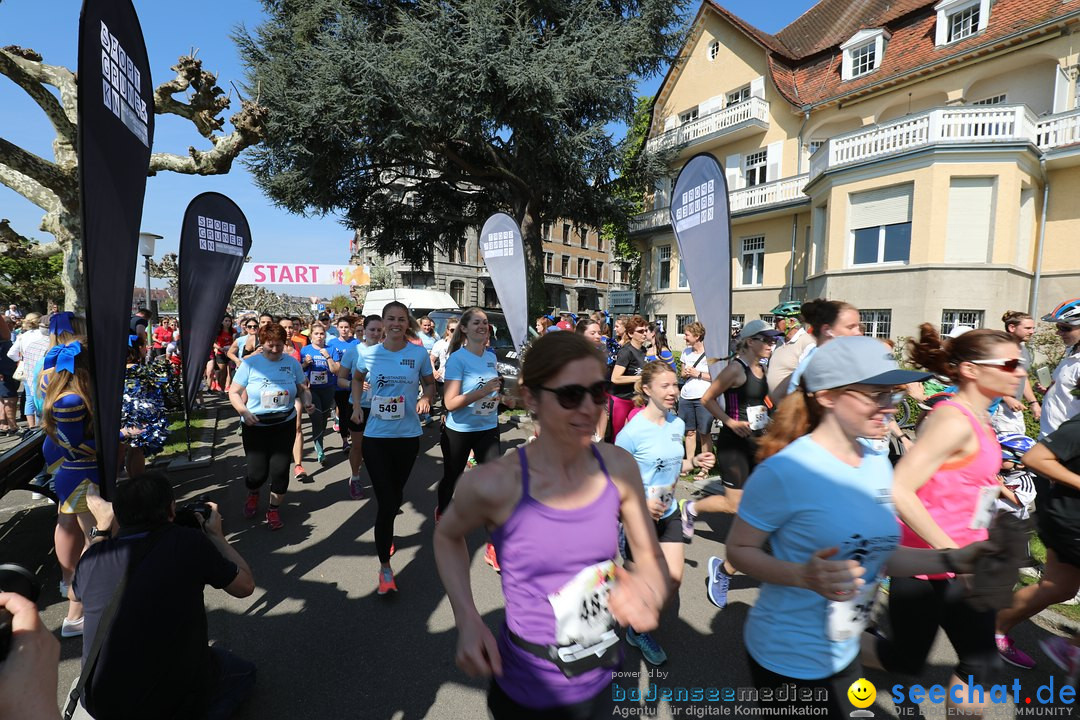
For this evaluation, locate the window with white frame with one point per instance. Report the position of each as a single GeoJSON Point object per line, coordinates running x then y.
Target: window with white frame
{"type": "Point", "coordinates": [684, 282]}
{"type": "Point", "coordinates": [863, 53]}
{"type": "Point", "coordinates": [681, 321]}
{"type": "Point", "coordinates": [814, 146]}
{"type": "Point", "coordinates": [688, 116]}
{"type": "Point", "coordinates": [766, 317]}
{"type": "Point", "coordinates": [663, 267]}
{"type": "Point", "coordinates": [738, 96]}
{"type": "Point", "coordinates": [566, 234]}
{"type": "Point", "coordinates": [880, 222]}
{"type": "Point", "coordinates": [714, 49]}
{"type": "Point", "coordinates": [600, 270]}
{"type": "Point", "coordinates": [549, 263]}
{"type": "Point", "coordinates": [959, 19]}
{"type": "Point", "coordinates": [565, 266]}
{"type": "Point", "coordinates": [993, 100]}
{"type": "Point", "coordinates": [876, 323]}
{"type": "Point", "coordinates": [950, 319]}
{"type": "Point", "coordinates": [752, 260]}
{"type": "Point", "coordinates": [754, 167]}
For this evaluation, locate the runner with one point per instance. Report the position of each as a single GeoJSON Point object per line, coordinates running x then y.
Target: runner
{"type": "Point", "coordinates": [292, 349]}
{"type": "Point", "coordinates": [219, 355]}
{"type": "Point", "coordinates": [373, 335]}
{"type": "Point", "coordinates": [742, 384]}
{"type": "Point", "coordinates": [1062, 399]}
{"type": "Point", "coordinates": [553, 508]}
{"type": "Point", "coordinates": [827, 319]}
{"type": "Point", "coordinates": [821, 504]}
{"type": "Point", "coordinates": [339, 346]}
{"type": "Point", "coordinates": [318, 363]}
{"type": "Point", "coordinates": [392, 434]}
{"type": "Point", "coordinates": [654, 437]}
{"type": "Point", "coordinates": [624, 373]}
{"type": "Point", "coordinates": [786, 358]}
{"type": "Point", "coordinates": [471, 388]}
{"type": "Point", "coordinates": [246, 344]}
{"type": "Point", "coordinates": [592, 329]}
{"type": "Point", "coordinates": [269, 414]}
{"type": "Point", "coordinates": [944, 491]}
{"type": "Point", "coordinates": [696, 379]}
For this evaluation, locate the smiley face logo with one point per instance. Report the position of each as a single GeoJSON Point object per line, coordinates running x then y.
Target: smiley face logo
{"type": "Point", "coordinates": [862, 693]}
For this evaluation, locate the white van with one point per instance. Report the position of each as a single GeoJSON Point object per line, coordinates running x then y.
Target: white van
{"type": "Point", "coordinates": [419, 302]}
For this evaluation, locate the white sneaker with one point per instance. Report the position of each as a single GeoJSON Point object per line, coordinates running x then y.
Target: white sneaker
{"type": "Point", "coordinates": [72, 628]}
{"type": "Point", "coordinates": [1075, 600]}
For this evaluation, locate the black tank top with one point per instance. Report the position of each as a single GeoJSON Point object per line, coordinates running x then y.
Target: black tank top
{"type": "Point", "coordinates": [750, 393]}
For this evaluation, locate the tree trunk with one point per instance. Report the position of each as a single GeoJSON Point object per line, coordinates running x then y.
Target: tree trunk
{"type": "Point", "coordinates": [530, 222]}
{"type": "Point", "coordinates": [69, 235]}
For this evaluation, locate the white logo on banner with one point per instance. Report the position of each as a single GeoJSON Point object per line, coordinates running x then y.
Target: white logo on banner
{"type": "Point", "coordinates": [698, 204]}
{"type": "Point", "coordinates": [499, 244]}
{"type": "Point", "coordinates": [220, 237]}
{"type": "Point", "coordinates": [121, 82]}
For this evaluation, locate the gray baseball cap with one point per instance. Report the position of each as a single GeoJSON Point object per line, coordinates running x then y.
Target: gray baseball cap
{"type": "Point", "coordinates": [853, 360]}
{"type": "Point", "coordinates": [758, 327]}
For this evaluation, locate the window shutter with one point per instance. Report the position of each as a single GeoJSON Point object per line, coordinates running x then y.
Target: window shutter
{"type": "Point", "coordinates": [970, 224]}
{"type": "Point", "coordinates": [757, 87]}
{"type": "Point", "coordinates": [711, 105]}
{"type": "Point", "coordinates": [1061, 90]}
{"type": "Point", "coordinates": [884, 206]}
{"type": "Point", "coordinates": [671, 123]}
{"type": "Point", "coordinates": [733, 171]}
{"type": "Point", "coordinates": [773, 157]}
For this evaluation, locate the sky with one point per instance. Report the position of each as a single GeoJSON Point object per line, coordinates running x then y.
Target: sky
{"type": "Point", "coordinates": [172, 29]}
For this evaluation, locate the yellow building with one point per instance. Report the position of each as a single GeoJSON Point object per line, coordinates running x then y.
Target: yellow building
{"type": "Point", "coordinates": [917, 159]}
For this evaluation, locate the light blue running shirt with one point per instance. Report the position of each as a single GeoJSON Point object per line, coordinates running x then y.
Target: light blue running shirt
{"type": "Point", "coordinates": [271, 384]}
{"type": "Point", "coordinates": [318, 372]}
{"type": "Point", "coordinates": [473, 372]}
{"type": "Point", "coordinates": [394, 377]}
{"type": "Point", "coordinates": [659, 452]}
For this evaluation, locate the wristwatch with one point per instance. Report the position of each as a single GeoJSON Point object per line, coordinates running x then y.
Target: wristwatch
{"type": "Point", "coordinates": [96, 533]}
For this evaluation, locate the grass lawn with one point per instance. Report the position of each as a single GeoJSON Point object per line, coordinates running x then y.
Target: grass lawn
{"type": "Point", "coordinates": [176, 444]}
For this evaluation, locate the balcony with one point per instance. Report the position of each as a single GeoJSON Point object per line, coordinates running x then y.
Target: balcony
{"type": "Point", "coordinates": [733, 122]}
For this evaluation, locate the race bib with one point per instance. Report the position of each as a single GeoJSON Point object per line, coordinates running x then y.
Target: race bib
{"type": "Point", "coordinates": [757, 416]}
{"type": "Point", "coordinates": [388, 408]}
{"type": "Point", "coordinates": [582, 616]}
{"type": "Point", "coordinates": [486, 406]}
{"type": "Point", "coordinates": [985, 507]}
{"type": "Point", "coordinates": [849, 618]}
{"type": "Point", "coordinates": [663, 493]}
{"type": "Point", "coordinates": [318, 377]}
{"type": "Point", "coordinates": [277, 399]}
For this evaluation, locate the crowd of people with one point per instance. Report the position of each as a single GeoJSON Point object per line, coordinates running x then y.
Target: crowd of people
{"type": "Point", "coordinates": [832, 500]}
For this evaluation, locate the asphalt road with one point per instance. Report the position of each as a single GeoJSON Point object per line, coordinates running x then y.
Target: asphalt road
{"type": "Point", "coordinates": [328, 647]}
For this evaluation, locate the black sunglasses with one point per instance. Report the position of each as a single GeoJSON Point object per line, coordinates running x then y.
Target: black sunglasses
{"type": "Point", "coordinates": [570, 396]}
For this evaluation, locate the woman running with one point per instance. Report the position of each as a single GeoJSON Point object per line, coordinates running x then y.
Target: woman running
{"type": "Point", "coordinates": [273, 382]}
{"type": "Point", "coordinates": [226, 336]}
{"type": "Point", "coordinates": [318, 363]}
{"type": "Point", "coordinates": [742, 384]}
{"type": "Point", "coordinates": [820, 502]}
{"type": "Point", "coordinates": [246, 344]}
{"type": "Point", "coordinates": [944, 491]}
{"type": "Point", "coordinates": [625, 371]}
{"type": "Point", "coordinates": [471, 387]}
{"type": "Point", "coordinates": [372, 329]}
{"type": "Point", "coordinates": [339, 346]}
{"type": "Point", "coordinates": [654, 437]}
{"type": "Point", "coordinates": [394, 369]}
{"type": "Point", "coordinates": [593, 331]}
{"type": "Point", "coordinates": [553, 509]}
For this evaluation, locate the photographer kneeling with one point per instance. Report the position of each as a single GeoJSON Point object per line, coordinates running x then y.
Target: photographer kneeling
{"type": "Point", "coordinates": [155, 660]}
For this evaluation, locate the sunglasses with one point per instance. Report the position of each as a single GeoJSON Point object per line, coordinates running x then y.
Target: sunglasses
{"type": "Point", "coordinates": [767, 339]}
{"type": "Point", "coordinates": [252, 326]}
{"type": "Point", "coordinates": [1007, 364]}
{"type": "Point", "coordinates": [883, 399]}
{"type": "Point", "coordinates": [1062, 327]}
{"type": "Point", "coordinates": [570, 396]}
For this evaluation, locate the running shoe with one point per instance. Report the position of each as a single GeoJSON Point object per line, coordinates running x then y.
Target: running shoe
{"type": "Point", "coordinates": [650, 649]}
{"type": "Point", "coordinates": [687, 518]}
{"type": "Point", "coordinates": [386, 581]}
{"type": "Point", "coordinates": [718, 582]}
{"type": "Point", "coordinates": [393, 549]}
{"type": "Point", "coordinates": [273, 519]}
{"type": "Point", "coordinates": [1012, 654]}
{"type": "Point", "coordinates": [337, 428]}
{"type": "Point", "coordinates": [356, 488]}
{"type": "Point", "coordinates": [298, 472]}
{"type": "Point", "coordinates": [251, 505]}
{"type": "Point", "coordinates": [1064, 654]}
{"type": "Point", "coordinates": [72, 628]}
{"type": "Point", "coordinates": [490, 559]}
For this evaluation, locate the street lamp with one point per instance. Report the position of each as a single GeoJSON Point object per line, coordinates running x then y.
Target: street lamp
{"type": "Point", "coordinates": [146, 249]}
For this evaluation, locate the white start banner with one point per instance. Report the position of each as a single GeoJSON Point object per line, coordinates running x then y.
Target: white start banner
{"type": "Point", "coordinates": [261, 273]}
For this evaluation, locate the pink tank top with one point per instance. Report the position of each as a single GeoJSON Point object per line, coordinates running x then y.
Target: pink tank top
{"type": "Point", "coordinates": [952, 493]}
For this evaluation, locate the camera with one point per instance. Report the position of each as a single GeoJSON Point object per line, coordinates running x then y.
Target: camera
{"type": "Point", "coordinates": [186, 514]}
{"type": "Point", "coordinates": [19, 580]}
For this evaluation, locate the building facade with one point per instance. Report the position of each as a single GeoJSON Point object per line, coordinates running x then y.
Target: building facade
{"type": "Point", "coordinates": [916, 159]}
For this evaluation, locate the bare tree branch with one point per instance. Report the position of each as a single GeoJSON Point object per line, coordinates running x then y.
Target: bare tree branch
{"type": "Point", "coordinates": [14, 244]}
{"type": "Point", "coordinates": [61, 181]}
{"type": "Point", "coordinates": [19, 70]}
{"type": "Point", "coordinates": [248, 128]}
{"type": "Point", "coordinates": [29, 188]}
{"type": "Point", "coordinates": [204, 105]}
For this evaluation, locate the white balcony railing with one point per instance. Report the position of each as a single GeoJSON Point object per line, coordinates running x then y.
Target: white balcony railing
{"type": "Point", "coordinates": [1058, 130]}
{"type": "Point", "coordinates": [720, 121]}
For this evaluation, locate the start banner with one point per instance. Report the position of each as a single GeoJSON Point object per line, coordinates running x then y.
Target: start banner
{"type": "Point", "coordinates": [261, 273]}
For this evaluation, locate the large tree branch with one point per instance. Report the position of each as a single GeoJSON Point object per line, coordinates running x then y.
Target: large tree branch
{"type": "Point", "coordinates": [248, 130]}
{"type": "Point", "coordinates": [14, 244]}
{"type": "Point", "coordinates": [29, 188]}
{"type": "Point", "coordinates": [204, 105]}
{"type": "Point", "coordinates": [22, 73]}
{"type": "Point", "coordinates": [41, 171]}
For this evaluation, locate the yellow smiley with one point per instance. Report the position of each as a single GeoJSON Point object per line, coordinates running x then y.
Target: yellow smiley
{"type": "Point", "coordinates": [862, 693]}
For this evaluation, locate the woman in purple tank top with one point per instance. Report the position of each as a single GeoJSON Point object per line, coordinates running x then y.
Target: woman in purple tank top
{"type": "Point", "coordinates": [553, 509]}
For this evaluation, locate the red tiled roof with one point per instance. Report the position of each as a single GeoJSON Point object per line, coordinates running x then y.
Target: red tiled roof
{"type": "Point", "coordinates": [805, 57]}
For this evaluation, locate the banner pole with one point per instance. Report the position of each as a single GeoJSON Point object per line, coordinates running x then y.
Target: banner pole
{"type": "Point", "coordinates": [187, 431]}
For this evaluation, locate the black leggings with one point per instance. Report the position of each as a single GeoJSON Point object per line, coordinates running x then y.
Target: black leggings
{"type": "Point", "coordinates": [323, 400]}
{"type": "Point", "coordinates": [389, 462]}
{"type": "Point", "coordinates": [456, 446]}
{"type": "Point", "coordinates": [268, 449]}
{"type": "Point", "coordinates": [503, 707]}
{"type": "Point", "coordinates": [735, 458]}
{"type": "Point", "coordinates": [916, 609]}
{"type": "Point", "coordinates": [344, 409]}
{"type": "Point", "coordinates": [833, 688]}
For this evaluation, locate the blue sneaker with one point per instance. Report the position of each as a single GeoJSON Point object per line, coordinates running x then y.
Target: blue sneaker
{"type": "Point", "coordinates": [650, 650]}
{"type": "Point", "coordinates": [718, 582]}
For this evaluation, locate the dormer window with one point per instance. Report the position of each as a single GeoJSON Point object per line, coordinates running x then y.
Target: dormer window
{"type": "Point", "coordinates": [714, 49]}
{"type": "Point", "coordinates": [863, 53]}
{"type": "Point", "coordinates": [960, 19]}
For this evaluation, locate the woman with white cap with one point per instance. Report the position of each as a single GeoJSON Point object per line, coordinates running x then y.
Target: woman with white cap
{"type": "Point", "coordinates": [823, 504]}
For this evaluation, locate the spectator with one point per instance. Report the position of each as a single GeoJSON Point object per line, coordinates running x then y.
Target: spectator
{"type": "Point", "coordinates": [9, 386]}
{"type": "Point", "coordinates": [1062, 399]}
{"type": "Point", "coordinates": [28, 350]}
{"type": "Point", "coordinates": [12, 313]}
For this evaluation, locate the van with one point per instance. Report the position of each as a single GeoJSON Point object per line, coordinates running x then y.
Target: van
{"type": "Point", "coordinates": [419, 302]}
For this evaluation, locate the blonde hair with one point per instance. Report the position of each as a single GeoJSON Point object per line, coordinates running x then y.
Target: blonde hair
{"type": "Point", "coordinates": [62, 382]}
{"type": "Point", "coordinates": [648, 373]}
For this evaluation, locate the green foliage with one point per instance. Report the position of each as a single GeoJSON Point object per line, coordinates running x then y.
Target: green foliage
{"type": "Point", "coordinates": [382, 276]}
{"type": "Point", "coordinates": [340, 303]}
{"type": "Point", "coordinates": [30, 282]}
{"type": "Point", "coordinates": [1046, 344]}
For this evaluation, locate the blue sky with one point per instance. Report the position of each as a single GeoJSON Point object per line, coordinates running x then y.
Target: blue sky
{"type": "Point", "coordinates": [172, 29]}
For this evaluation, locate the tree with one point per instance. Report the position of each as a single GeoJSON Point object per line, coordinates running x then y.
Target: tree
{"type": "Point", "coordinates": [340, 303]}
{"type": "Point", "coordinates": [418, 119]}
{"type": "Point", "coordinates": [29, 281]}
{"type": "Point", "coordinates": [54, 185]}
{"type": "Point", "coordinates": [381, 277]}
{"type": "Point", "coordinates": [249, 297]}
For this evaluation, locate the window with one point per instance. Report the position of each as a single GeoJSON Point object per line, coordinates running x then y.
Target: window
{"type": "Point", "coordinates": [491, 298]}
{"type": "Point", "coordinates": [457, 291]}
{"type": "Point", "coordinates": [738, 96]}
{"type": "Point", "coordinates": [583, 268]}
{"type": "Point", "coordinates": [663, 267]}
{"type": "Point", "coordinates": [959, 19]}
{"type": "Point", "coordinates": [661, 322]}
{"type": "Point", "coordinates": [752, 260]}
{"type": "Point", "coordinates": [880, 224]}
{"type": "Point", "coordinates": [964, 23]}
{"type": "Point", "coordinates": [814, 145]}
{"type": "Point", "coordinates": [600, 242]}
{"type": "Point", "coordinates": [755, 165]}
{"type": "Point", "coordinates": [714, 49]}
{"type": "Point", "coordinates": [566, 266]}
{"type": "Point", "coordinates": [765, 317]}
{"type": "Point", "coordinates": [565, 234]}
{"type": "Point", "coordinates": [583, 233]}
{"type": "Point", "coordinates": [549, 263]}
{"type": "Point", "coordinates": [876, 323]}
{"type": "Point", "coordinates": [995, 100]}
{"type": "Point", "coordinates": [689, 116]}
{"type": "Point", "coordinates": [684, 282]}
{"type": "Point", "coordinates": [681, 321]}
{"type": "Point", "coordinates": [969, 231]}
{"type": "Point", "coordinates": [863, 59]}
{"type": "Point", "coordinates": [599, 271]}
{"type": "Point", "coordinates": [863, 53]}
{"type": "Point", "coordinates": [968, 318]}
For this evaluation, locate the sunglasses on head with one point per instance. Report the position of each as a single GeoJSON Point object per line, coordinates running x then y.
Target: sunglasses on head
{"type": "Point", "coordinates": [1007, 364]}
{"type": "Point", "coordinates": [570, 396]}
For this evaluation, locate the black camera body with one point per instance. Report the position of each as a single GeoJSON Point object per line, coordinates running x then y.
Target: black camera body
{"type": "Point", "coordinates": [19, 580]}
{"type": "Point", "coordinates": [187, 515]}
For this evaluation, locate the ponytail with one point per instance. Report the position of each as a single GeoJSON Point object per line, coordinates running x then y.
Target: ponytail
{"type": "Point", "coordinates": [798, 414]}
